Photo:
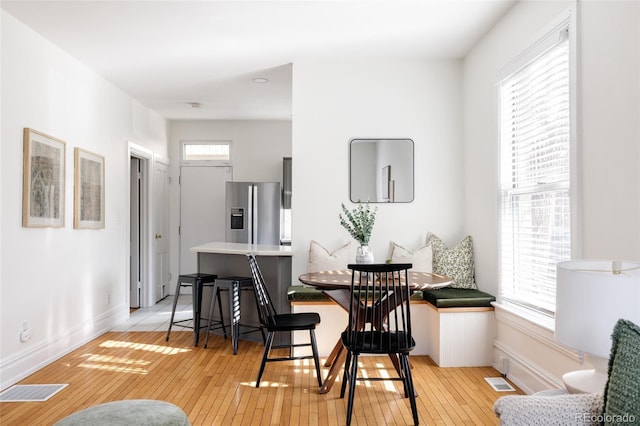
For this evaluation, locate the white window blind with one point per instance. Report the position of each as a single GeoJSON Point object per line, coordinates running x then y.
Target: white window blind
{"type": "Point", "coordinates": [535, 176]}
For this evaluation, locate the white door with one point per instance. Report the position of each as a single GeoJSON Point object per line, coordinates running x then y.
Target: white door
{"type": "Point", "coordinates": [161, 232]}
{"type": "Point", "coordinates": [202, 209]}
{"type": "Point", "coordinates": [135, 278]}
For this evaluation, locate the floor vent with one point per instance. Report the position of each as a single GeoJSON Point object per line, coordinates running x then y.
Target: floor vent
{"type": "Point", "coordinates": [30, 393]}
{"type": "Point", "coordinates": [499, 384]}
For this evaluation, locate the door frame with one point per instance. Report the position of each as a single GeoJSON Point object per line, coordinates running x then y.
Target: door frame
{"type": "Point", "coordinates": [134, 226]}
{"type": "Point", "coordinates": [157, 281]}
{"type": "Point", "coordinates": [146, 160]}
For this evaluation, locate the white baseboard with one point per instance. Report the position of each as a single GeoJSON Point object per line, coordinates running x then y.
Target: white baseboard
{"type": "Point", "coordinates": [533, 359]}
{"type": "Point", "coordinates": [38, 356]}
{"type": "Point", "coordinates": [523, 372]}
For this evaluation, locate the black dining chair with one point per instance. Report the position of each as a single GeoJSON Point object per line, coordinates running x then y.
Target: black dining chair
{"type": "Point", "coordinates": [276, 323]}
{"type": "Point", "coordinates": [379, 323]}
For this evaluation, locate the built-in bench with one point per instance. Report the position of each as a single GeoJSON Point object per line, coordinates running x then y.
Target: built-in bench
{"type": "Point", "coordinates": [304, 294]}
{"type": "Point", "coordinates": [461, 327]}
{"type": "Point", "coordinates": [334, 319]}
{"type": "Point", "coordinates": [455, 327]}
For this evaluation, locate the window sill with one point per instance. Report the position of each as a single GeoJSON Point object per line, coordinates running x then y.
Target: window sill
{"type": "Point", "coordinates": [523, 314]}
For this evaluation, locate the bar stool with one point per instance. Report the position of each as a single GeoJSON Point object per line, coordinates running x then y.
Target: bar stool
{"type": "Point", "coordinates": [235, 286]}
{"type": "Point", "coordinates": [197, 282]}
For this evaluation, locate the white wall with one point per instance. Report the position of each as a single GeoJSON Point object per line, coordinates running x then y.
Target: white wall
{"type": "Point", "coordinates": [337, 100]}
{"type": "Point", "coordinates": [514, 33]}
{"type": "Point", "coordinates": [609, 139]}
{"type": "Point", "coordinates": [258, 148]}
{"type": "Point", "coordinates": [58, 280]}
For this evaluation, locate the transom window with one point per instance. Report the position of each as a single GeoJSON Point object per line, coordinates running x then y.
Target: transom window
{"type": "Point", "coordinates": [211, 152]}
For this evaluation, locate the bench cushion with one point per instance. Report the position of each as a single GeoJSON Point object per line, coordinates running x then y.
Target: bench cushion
{"type": "Point", "coordinates": [300, 293]}
{"type": "Point", "coordinates": [457, 297]}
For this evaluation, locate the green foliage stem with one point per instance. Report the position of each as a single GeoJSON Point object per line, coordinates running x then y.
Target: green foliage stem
{"type": "Point", "coordinates": [359, 222]}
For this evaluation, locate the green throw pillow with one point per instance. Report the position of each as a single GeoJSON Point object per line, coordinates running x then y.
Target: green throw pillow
{"type": "Point", "coordinates": [622, 393]}
{"type": "Point", "coordinates": [456, 262]}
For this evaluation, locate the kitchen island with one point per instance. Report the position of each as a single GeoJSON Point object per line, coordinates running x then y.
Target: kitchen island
{"type": "Point", "coordinates": [229, 260]}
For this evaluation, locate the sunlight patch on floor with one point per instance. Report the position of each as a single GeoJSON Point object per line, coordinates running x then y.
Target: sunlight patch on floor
{"type": "Point", "coordinates": [114, 368]}
{"type": "Point", "coordinates": [265, 384]}
{"type": "Point", "coordinates": [166, 350]}
{"type": "Point", "coordinates": [115, 360]}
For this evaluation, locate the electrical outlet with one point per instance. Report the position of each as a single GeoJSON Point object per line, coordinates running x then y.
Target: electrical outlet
{"type": "Point", "coordinates": [108, 298]}
{"type": "Point", "coordinates": [25, 335]}
{"type": "Point", "coordinates": [503, 365]}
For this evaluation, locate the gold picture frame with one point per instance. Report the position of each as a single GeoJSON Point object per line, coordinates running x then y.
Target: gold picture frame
{"type": "Point", "coordinates": [43, 180]}
{"type": "Point", "coordinates": [88, 190]}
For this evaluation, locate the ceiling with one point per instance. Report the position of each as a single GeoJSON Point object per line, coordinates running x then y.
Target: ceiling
{"type": "Point", "coordinates": [169, 54]}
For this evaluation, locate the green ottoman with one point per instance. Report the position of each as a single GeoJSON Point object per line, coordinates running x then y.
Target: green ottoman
{"type": "Point", "coordinates": [134, 412]}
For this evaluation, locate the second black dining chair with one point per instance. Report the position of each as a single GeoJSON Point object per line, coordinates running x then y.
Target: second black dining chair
{"type": "Point", "coordinates": [274, 323]}
{"type": "Point", "coordinates": [379, 324]}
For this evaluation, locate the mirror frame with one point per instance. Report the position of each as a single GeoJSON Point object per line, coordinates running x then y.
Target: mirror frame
{"type": "Point", "coordinates": [387, 169]}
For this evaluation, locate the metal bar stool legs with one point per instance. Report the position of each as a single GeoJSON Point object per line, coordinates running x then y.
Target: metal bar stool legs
{"type": "Point", "coordinates": [197, 282]}
{"type": "Point", "coordinates": [173, 310]}
{"type": "Point", "coordinates": [235, 286]}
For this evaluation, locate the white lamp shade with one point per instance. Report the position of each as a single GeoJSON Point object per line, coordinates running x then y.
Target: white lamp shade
{"type": "Point", "coordinates": [591, 298]}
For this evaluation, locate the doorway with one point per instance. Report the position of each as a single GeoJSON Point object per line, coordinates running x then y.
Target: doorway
{"type": "Point", "coordinates": [161, 274]}
{"type": "Point", "coordinates": [135, 234]}
{"type": "Point", "coordinates": [202, 206]}
{"type": "Point", "coordinates": [140, 294]}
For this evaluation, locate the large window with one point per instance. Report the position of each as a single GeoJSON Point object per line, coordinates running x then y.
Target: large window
{"type": "Point", "coordinates": [535, 193]}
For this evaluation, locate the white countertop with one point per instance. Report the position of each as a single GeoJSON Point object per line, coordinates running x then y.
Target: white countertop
{"type": "Point", "coordinates": [242, 248]}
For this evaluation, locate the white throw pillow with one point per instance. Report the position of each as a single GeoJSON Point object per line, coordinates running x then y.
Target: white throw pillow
{"type": "Point", "coordinates": [321, 260]}
{"type": "Point", "coordinates": [421, 258]}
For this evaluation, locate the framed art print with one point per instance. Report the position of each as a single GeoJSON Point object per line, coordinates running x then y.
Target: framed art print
{"type": "Point", "coordinates": [43, 177]}
{"type": "Point", "coordinates": [88, 200]}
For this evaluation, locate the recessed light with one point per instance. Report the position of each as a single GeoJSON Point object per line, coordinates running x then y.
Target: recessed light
{"type": "Point", "coordinates": [260, 80]}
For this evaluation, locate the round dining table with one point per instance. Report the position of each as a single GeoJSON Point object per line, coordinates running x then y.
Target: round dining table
{"type": "Point", "coordinates": [336, 285]}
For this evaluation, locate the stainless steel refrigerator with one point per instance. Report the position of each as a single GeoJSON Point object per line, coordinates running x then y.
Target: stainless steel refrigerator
{"type": "Point", "coordinates": [253, 212]}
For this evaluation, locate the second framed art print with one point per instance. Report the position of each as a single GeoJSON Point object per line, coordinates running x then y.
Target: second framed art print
{"type": "Point", "coordinates": [88, 200]}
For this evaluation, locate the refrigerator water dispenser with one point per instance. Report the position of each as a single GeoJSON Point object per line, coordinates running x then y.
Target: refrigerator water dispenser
{"type": "Point", "coordinates": [237, 218]}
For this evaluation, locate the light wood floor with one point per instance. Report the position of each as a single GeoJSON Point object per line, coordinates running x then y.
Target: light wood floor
{"type": "Point", "coordinates": [215, 387]}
